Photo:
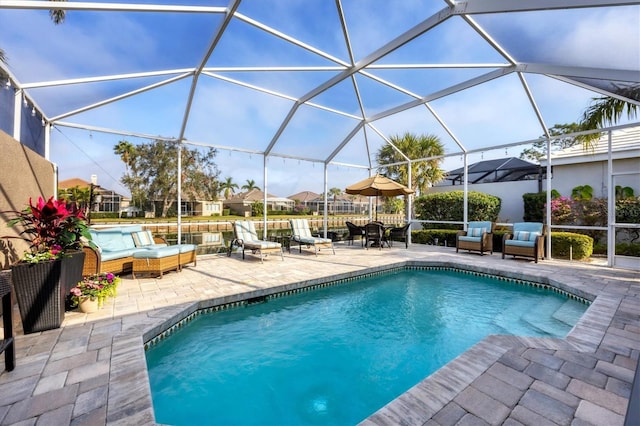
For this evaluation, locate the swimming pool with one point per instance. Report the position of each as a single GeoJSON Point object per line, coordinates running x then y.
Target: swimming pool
{"type": "Point", "coordinates": [348, 349]}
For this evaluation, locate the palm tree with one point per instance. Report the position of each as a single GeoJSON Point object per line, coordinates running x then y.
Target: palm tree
{"type": "Point", "coordinates": [57, 16]}
{"type": "Point", "coordinates": [607, 111]}
{"type": "Point", "coordinates": [229, 187]}
{"type": "Point", "coordinates": [128, 154]}
{"type": "Point", "coordinates": [3, 59]}
{"type": "Point", "coordinates": [423, 173]}
{"type": "Point", "coordinates": [250, 185]}
{"type": "Point", "coordinates": [126, 151]}
{"type": "Point", "coordinates": [335, 192]}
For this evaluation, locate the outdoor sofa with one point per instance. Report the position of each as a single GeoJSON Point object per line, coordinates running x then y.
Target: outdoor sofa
{"type": "Point", "coordinates": [114, 249]}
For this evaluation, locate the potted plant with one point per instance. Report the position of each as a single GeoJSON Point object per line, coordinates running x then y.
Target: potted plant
{"type": "Point", "coordinates": [90, 293]}
{"type": "Point", "coordinates": [42, 278]}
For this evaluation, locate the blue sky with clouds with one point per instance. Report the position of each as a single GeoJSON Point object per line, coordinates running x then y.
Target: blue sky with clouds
{"type": "Point", "coordinates": [225, 113]}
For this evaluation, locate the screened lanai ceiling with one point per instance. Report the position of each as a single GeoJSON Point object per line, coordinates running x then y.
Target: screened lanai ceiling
{"type": "Point", "coordinates": [318, 80]}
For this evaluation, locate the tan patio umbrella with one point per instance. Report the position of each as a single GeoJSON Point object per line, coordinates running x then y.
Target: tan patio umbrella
{"type": "Point", "coordinates": [376, 186]}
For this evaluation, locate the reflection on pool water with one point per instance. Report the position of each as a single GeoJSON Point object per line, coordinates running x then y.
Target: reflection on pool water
{"type": "Point", "coordinates": [337, 354]}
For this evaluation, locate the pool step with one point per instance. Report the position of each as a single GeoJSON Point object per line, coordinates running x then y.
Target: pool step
{"type": "Point", "coordinates": [542, 317]}
{"type": "Point", "coordinates": [570, 312]}
{"type": "Point", "coordinates": [505, 320]}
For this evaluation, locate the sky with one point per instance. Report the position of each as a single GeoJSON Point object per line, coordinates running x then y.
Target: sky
{"type": "Point", "coordinates": [228, 111]}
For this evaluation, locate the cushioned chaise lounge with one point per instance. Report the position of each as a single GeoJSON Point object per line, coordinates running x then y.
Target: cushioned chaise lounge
{"type": "Point", "coordinates": [246, 238]}
{"type": "Point", "coordinates": [527, 240]}
{"type": "Point", "coordinates": [477, 237]}
{"type": "Point", "coordinates": [301, 235]}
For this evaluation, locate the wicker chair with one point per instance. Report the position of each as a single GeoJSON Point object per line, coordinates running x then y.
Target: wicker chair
{"type": "Point", "coordinates": [400, 233]}
{"type": "Point", "coordinates": [355, 231]}
{"type": "Point", "coordinates": [374, 234]}
{"type": "Point", "coordinates": [477, 237]}
{"type": "Point", "coordinates": [527, 240]}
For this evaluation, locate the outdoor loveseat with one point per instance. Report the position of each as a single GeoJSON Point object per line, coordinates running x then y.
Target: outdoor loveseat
{"type": "Point", "coordinates": [477, 237]}
{"type": "Point", "coordinates": [114, 250]}
{"type": "Point", "coordinates": [527, 240]}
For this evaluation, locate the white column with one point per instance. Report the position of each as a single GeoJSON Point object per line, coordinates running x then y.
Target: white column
{"type": "Point", "coordinates": [17, 114]}
{"type": "Point", "coordinates": [611, 207]}
{"type": "Point", "coordinates": [264, 198]}
{"type": "Point", "coordinates": [548, 209]}
{"type": "Point", "coordinates": [179, 192]}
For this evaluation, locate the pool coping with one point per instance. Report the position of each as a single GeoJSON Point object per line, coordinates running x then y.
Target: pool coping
{"type": "Point", "coordinates": [418, 404]}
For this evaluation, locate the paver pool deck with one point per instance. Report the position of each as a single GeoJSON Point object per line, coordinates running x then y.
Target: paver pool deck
{"type": "Point", "coordinates": [92, 370]}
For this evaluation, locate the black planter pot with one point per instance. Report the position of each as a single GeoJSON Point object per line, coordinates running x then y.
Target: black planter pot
{"type": "Point", "coordinates": [42, 288]}
{"type": "Point", "coordinates": [71, 274]}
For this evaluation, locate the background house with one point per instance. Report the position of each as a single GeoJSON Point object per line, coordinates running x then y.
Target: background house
{"type": "Point", "coordinates": [102, 199]}
{"type": "Point", "coordinates": [242, 203]}
{"type": "Point", "coordinates": [506, 178]}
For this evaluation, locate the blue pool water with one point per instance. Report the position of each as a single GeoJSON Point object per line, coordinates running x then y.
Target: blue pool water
{"type": "Point", "coordinates": [334, 356]}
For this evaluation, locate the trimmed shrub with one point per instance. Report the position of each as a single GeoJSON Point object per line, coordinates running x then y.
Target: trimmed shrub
{"type": "Point", "coordinates": [449, 206]}
{"type": "Point", "coordinates": [563, 243]}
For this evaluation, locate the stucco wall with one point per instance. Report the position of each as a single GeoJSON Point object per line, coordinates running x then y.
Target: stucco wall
{"type": "Point", "coordinates": [566, 177]}
{"type": "Point", "coordinates": [24, 174]}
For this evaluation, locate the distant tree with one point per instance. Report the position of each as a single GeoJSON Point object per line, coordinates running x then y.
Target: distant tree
{"type": "Point", "coordinates": [423, 173]}
{"type": "Point", "coordinates": [156, 170]}
{"type": "Point", "coordinates": [538, 150]}
{"type": "Point", "coordinates": [81, 196]}
{"type": "Point", "coordinates": [250, 185]}
{"type": "Point", "coordinates": [228, 186]}
{"type": "Point", "coordinates": [335, 193]}
{"type": "Point", "coordinates": [127, 152]}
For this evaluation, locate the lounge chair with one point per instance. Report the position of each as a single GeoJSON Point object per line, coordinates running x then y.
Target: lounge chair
{"type": "Point", "coordinates": [374, 234]}
{"type": "Point", "coordinates": [477, 237]}
{"type": "Point", "coordinates": [247, 238]}
{"type": "Point", "coordinates": [400, 233]}
{"type": "Point", "coordinates": [355, 231]}
{"type": "Point", "coordinates": [301, 235]}
{"type": "Point", "coordinates": [527, 240]}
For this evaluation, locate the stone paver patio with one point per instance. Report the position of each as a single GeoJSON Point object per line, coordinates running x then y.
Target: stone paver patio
{"type": "Point", "coordinates": [92, 370]}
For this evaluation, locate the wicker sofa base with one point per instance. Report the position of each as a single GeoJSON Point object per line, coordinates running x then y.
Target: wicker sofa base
{"type": "Point", "coordinates": [532, 252]}
{"type": "Point", "coordinates": [155, 266]}
{"type": "Point", "coordinates": [187, 257]}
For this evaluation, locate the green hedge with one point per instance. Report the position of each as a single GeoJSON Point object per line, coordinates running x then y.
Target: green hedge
{"type": "Point", "coordinates": [449, 206]}
{"type": "Point", "coordinates": [534, 206]}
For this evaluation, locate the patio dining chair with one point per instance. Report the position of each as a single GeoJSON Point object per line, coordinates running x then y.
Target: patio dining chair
{"type": "Point", "coordinates": [374, 234]}
{"type": "Point", "coordinates": [399, 233]}
{"type": "Point", "coordinates": [355, 231]}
